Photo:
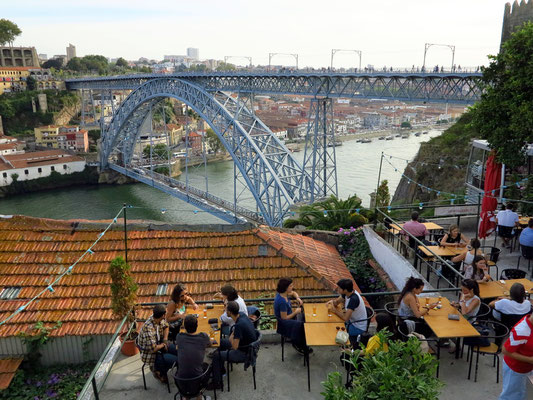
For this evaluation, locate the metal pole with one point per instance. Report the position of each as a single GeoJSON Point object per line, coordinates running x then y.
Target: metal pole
{"type": "Point", "coordinates": [125, 235]}
{"type": "Point", "coordinates": [332, 53]}
{"type": "Point", "coordinates": [425, 51]}
{"type": "Point", "coordinates": [151, 144]}
{"type": "Point", "coordinates": [453, 57]}
{"type": "Point", "coordinates": [377, 187]}
{"type": "Point", "coordinates": [204, 151]}
{"type": "Point", "coordinates": [478, 213]}
{"type": "Point", "coordinates": [168, 140]}
{"type": "Point", "coordinates": [187, 148]}
{"type": "Point", "coordinates": [325, 147]}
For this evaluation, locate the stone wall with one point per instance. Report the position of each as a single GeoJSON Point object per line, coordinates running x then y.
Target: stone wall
{"type": "Point", "coordinates": [514, 16]}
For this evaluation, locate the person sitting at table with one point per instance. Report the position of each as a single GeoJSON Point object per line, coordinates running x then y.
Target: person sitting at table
{"type": "Point", "coordinates": [234, 349]}
{"type": "Point", "coordinates": [454, 238]}
{"type": "Point", "coordinates": [290, 323]}
{"type": "Point", "coordinates": [229, 293]}
{"type": "Point", "coordinates": [354, 313]}
{"type": "Point", "coordinates": [472, 250]}
{"type": "Point", "coordinates": [516, 304]}
{"type": "Point", "coordinates": [415, 228]}
{"type": "Point", "coordinates": [478, 271]}
{"type": "Point", "coordinates": [469, 301]}
{"type": "Point", "coordinates": [506, 221]}
{"type": "Point", "coordinates": [526, 237]}
{"type": "Point", "coordinates": [176, 309]}
{"type": "Point", "coordinates": [191, 351]}
{"type": "Point", "coordinates": [409, 305]}
{"type": "Point", "coordinates": [156, 351]}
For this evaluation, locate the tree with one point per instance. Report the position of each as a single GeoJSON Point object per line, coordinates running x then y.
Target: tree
{"type": "Point", "coordinates": [31, 83]}
{"type": "Point", "coordinates": [8, 31]}
{"type": "Point", "coordinates": [123, 288]}
{"type": "Point", "coordinates": [213, 140]}
{"type": "Point", "coordinates": [504, 116]}
{"type": "Point", "coordinates": [121, 63]}
{"type": "Point", "coordinates": [160, 151]}
{"type": "Point", "coordinates": [383, 195]}
{"type": "Point", "coordinates": [75, 64]}
{"type": "Point", "coordinates": [405, 124]}
{"type": "Point", "coordinates": [225, 67]}
{"type": "Point", "coordinates": [53, 63]}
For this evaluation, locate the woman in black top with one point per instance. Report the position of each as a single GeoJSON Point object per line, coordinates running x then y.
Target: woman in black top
{"type": "Point", "coordinates": [454, 238]}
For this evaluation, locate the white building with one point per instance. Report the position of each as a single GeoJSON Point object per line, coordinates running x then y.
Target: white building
{"type": "Point", "coordinates": [38, 164]}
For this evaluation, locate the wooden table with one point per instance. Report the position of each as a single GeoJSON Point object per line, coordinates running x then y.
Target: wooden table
{"type": "Point", "coordinates": [497, 288]}
{"type": "Point", "coordinates": [319, 334]}
{"type": "Point", "coordinates": [203, 324]}
{"type": "Point", "coordinates": [447, 251]}
{"type": "Point", "coordinates": [321, 314]}
{"type": "Point", "coordinates": [524, 220]}
{"type": "Point", "coordinates": [430, 226]}
{"type": "Point", "coordinates": [444, 328]}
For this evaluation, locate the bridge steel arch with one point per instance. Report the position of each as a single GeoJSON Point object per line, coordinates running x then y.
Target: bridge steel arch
{"type": "Point", "coordinates": [273, 176]}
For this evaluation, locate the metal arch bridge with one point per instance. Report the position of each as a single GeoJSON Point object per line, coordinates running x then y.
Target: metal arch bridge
{"type": "Point", "coordinates": [461, 88]}
{"type": "Point", "coordinates": [275, 179]}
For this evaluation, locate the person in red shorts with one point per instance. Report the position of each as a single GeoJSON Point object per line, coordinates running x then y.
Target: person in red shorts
{"type": "Point", "coordinates": [518, 360]}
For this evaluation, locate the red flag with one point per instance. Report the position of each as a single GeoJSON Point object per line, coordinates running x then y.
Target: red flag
{"type": "Point", "coordinates": [493, 172]}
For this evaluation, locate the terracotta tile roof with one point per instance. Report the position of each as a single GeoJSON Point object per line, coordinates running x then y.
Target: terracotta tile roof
{"type": "Point", "coordinates": [33, 251]}
{"type": "Point", "coordinates": [8, 368]}
{"type": "Point", "coordinates": [36, 159]}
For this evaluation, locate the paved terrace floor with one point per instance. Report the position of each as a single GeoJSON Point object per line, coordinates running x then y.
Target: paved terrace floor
{"type": "Point", "coordinates": [288, 380]}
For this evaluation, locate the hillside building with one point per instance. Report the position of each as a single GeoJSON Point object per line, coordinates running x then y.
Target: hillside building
{"type": "Point", "coordinates": [18, 57]}
{"type": "Point", "coordinates": [62, 137]}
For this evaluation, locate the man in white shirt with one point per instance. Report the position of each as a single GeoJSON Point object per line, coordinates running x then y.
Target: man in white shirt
{"type": "Point", "coordinates": [229, 293]}
{"type": "Point", "coordinates": [506, 221]}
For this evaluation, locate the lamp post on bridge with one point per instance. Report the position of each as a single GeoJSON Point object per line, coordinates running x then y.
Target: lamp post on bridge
{"type": "Point", "coordinates": [428, 45]}
{"type": "Point", "coordinates": [357, 52]}
{"type": "Point", "coordinates": [271, 55]}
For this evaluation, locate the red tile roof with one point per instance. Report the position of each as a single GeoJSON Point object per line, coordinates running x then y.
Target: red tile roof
{"type": "Point", "coordinates": [8, 368]}
{"type": "Point", "coordinates": [36, 159]}
{"type": "Point", "coordinates": [33, 251]}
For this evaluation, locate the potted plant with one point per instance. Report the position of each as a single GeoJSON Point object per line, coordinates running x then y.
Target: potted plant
{"type": "Point", "coordinates": [380, 229]}
{"type": "Point", "coordinates": [123, 298]}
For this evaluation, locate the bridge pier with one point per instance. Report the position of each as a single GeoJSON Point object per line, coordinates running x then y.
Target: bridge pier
{"type": "Point", "coordinates": [319, 157]}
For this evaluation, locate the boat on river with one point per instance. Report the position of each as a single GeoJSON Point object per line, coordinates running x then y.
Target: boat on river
{"type": "Point", "coordinates": [405, 136]}
{"type": "Point", "coordinates": [381, 138]}
{"type": "Point", "coordinates": [366, 141]}
{"type": "Point", "coordinates": [418, 134]}
{"type": "Point", "coordinates": [389, 137]}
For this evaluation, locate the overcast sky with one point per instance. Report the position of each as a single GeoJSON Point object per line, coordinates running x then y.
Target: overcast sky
{"type": "Point", "coordinates": [388, 32]}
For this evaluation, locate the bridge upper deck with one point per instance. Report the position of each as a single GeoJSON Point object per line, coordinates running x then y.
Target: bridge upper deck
{"type": "Point", "coordinates": [457, 87]}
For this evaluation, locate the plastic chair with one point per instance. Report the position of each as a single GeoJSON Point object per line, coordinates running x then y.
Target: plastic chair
{"type": "Point", "coordinates": [402, 330]}
{"type": "Point", "coordinates": [512, 273]}
{"type": "Point", "coordinates": [493, 349]}
{"type": "Point", "coordinates": [193, 387]}
{"type": "Point", "coordinates": [527, 253]}
{"type": "Point", "coordinates": [251, 357]}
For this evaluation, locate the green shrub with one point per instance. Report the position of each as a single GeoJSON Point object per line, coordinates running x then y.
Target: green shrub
{"type": "Point", "coordinates": [401, 373]}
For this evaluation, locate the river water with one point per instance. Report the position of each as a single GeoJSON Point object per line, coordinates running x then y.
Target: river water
{"type": "Point", "coordinates": [357, 170]}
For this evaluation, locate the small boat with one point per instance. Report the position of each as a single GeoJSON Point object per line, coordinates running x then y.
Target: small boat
{"type": "Point", "coordinates": [425, 132]}
{"type": "Point", "coordinates": [418, 134]}
{"type": "Point", "coordinates": [405, 136]}
{"type": "Point", "coordinates": [358, 140]}
{"type": "Point", "coordinates": [398, 135]}
{"type": "Point", "coordinates": [381, 138]}
{"type": "Point", "coordinates": [389, 137]}
{"type": "Point", "coordinates": [366, 141]}
{"type": "Point", "coordinates": [335, 144]}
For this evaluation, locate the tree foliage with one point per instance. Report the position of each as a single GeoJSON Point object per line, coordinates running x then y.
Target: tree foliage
{"type": "Point", "coordinates": [121, 62]}
{"type": "Point", "coordinates": [123, 288]}
{"type": "Point", "coordinates": [504, 116]}
{"type": "Point", "coordinates": [53, 63]}
{"type": "Point", "coordinates": [331, 214]}
{"type": "Point", "coordinates": [8, 31]}
{"type": "Point", "coordinates": [160, 151]}
{"type": "Point", "coordinates": [225, 67]}
{"type": "Point", "coordinates": [213, 140]}
{"type": "Point", "coordinates": [383, 194]}
{"type": "Point", "coordinates": [90, 63]}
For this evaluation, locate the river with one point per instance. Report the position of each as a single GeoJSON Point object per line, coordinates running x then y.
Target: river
{"type": "Point", "coordinates": [357, 170]}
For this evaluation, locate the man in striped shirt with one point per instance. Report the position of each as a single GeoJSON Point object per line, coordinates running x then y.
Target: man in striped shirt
{"type": "Point", "coordinates": [518, 360]}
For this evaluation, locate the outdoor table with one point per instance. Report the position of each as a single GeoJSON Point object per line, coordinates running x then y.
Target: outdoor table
{"type": "Point", "coordinates": [524, 220]}
{"type": "Point", "coordinates": [319, 334]}
{"type": "Point", "coordinates": [441, 251]}
{"type": "Point", "coordinates": [430, 226]}
{"type": "Point", "coordinates": [444, 328]}
{"type": "Point", "coordinates": [321, 314]}
{"type": "Point", "coordinates": [203, 324]}
{"type": "Point", "coordinates": [498, 288]}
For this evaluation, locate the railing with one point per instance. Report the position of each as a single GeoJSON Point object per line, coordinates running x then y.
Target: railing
{"type": "Point", "coordinates": [423, 260]}
{"type": "Point", "coordinates": [91, 381]}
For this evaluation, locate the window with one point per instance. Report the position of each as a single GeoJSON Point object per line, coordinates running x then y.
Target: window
{"type": "Point", "coordinates": [64, 166]}
{"type": "Point", "coordinates": [52, 168]}
{"type": "Point", "coordinates": [10, 292]}
{"type": "Point", "coordinates": [161, 289]}
{"type": "Point", "coordinates": [26, 172]}
{"type": "Point", "coordinates": [39, 170]}
{"type": "Point", "coordinates": [4, 174]}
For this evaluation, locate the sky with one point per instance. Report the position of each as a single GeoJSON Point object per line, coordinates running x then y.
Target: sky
{"type": "Point", "coordinates": [387, 32]}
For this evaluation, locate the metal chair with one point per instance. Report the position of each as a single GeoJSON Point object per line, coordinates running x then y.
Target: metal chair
{"type": "Point", "coordinates": [253, 310]}
{"type": "Point", "coordinates": [392, 309]}
{"type": "Point", "coordinates": [251, 357]}
{"type": "Point", "coordinates": [512, 273]}
{"type": "Point", "coordinates": [403, 332]}
{"type": "Point", "coordinates": [193, 387]}
{"type": "Point", "coordinates": [484, 312]}
{"type": "Point", "coordinates": [493, 349]}
{"type": "Point", "coordinates": [144, 376]}
{"type": "Point", "coordinates": [510, 320]}
{"type": "Point", "coordinates": [527, 253]}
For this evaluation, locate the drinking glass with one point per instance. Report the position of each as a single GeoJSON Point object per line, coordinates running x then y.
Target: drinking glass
{"type": "Point", "coordinates": [205, 312]}
{"type": "Point", "coordinates": [314, 311]}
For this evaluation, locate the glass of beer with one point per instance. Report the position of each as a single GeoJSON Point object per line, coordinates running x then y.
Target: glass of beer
{"type": "Point", "coordinates": [205, 312]}
{"type": "Point", "coordinates": [314, 311]}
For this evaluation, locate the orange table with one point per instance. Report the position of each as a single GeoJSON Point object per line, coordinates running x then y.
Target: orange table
{"type": "Point", "coordinates": [430, 226]}
{"type": "Point", "coordinates": [203, 324]}
{"type": "Point", "coordinates": [498, 288]}
{"type": "Point", "coordinates": [321, 314]}
{"type": "Point", "coordinates": [524, 220]}
{"type": "Point", "coordinates": [447, 251]}
{"type": "Point", "coordinates": [444, 328]}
